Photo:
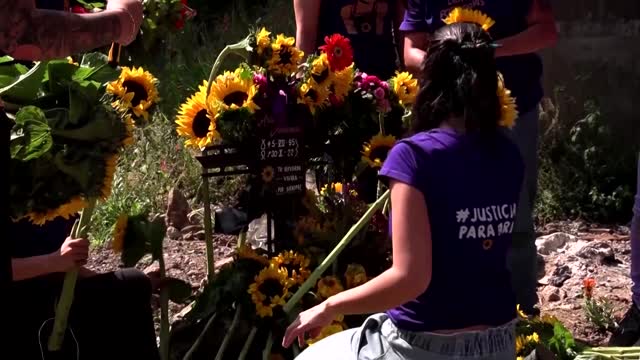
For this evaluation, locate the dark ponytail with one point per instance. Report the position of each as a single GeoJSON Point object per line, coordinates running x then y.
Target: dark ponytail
{"type": "Point", "coordinates": [459, 80]}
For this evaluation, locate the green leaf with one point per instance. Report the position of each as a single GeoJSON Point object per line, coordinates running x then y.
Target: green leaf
{"type": "Point", "coordinates": [136, 244]}
{"type": "Point", "coordinates": [104, 125]}
{"type": "Point", "coordinates": [60, 74]}
{"type": "Point", "coordinates": [31, 136]}
{"type": "Point", "coordinates": [5, 59]}
{"type": "Point", "coordinates": [26, 87]}
{"type": "Point", "coordinates": [82, 99]}
{"type": "Point", "coordinates": [179, 290]}
{"type": "Point", "coordinates": [156, 233]}
{"type": "Point", "coordinates": [94, 60]}
{"type": "Point", "coordinates": [101, 74]}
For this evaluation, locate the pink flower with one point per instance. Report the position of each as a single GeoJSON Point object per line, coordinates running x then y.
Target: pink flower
{"type": "Point", "coordinates": [379, 93]}
{"type": "Point", "coordinates": [371, 82]}
{"type": "Point", "coordinates": [260, 80]}
{"type": "Point", "coordinates": [385, 85]}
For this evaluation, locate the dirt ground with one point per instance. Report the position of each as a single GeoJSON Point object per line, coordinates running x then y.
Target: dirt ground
{"type": "Point", "coordinates": [590, 251]}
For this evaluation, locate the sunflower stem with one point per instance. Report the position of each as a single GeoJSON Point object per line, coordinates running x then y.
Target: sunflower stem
{"type": "Point", "coordinates": [315, 275]}
{"type": "Point", "coordinates": [80, 230]}
{"type": "Point", "coordinates": [247, 344]}
{"type": "Point", "coordinates": [164, 312]}
{"type": "Point", "coordinates": [208, 231]}
{"type": "Point", "coordinates": [198, 341]}
{"type": "Point", "coordinates": [230, 333]}
{"type": "Point", "coordinates": [239, 48]}
{"type": "Point", "coordinates": [242, 238]}
{"type": "Point", "coordinates": [266, 353]}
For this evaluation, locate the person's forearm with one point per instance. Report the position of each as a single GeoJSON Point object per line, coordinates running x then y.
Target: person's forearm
{"type": "Point", "coordinates": [413, 58]}
{"type": "Point", "coordinates": [32, 34]}
{"type": "Point", "coordinates": [535, 38]}
{"type": "Point", "coordinates": [31, 267]}
{"type": "Point", "coordinates": [388, 290]}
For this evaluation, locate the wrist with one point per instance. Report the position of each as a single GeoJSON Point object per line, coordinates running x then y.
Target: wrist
{"type": "Point", "coordinates": [53, 262]}
{"type": "Point", "coordinates": [330, 306]}
{"type": "Point", "coordinates": [127, 25]}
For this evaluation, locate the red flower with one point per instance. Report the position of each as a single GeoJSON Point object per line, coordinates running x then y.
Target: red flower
{"type": "Point", "coordinates": [588, 284]}
{"type": "Point", "coordinates": [339, 51]}
{"type": "Point", "coordinates": [186, 13]}
{"type": "Point", "coordinates": [77, 9]}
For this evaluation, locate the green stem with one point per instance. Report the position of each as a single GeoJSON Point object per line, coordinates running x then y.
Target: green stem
{"type": "Point", "coordinates": [227, 337]}
{"type": "Point", "coordinates": [80, 230]}
{"type": "Point", "coordinates": [247, 344]}
{"type": "Point", "coordinates": [266, 353]}
{"type": "Point", "coordinates": [208, 231]}
{"type": "Point", "coordinates": [315, 275]}
{"type": "Point", "coordinates": [242, 238]}
{"type": "Point", "coordinates": [198, 341]}
{"type": "Point", "coordinates": [238, 48]}
{"type": "Point", "coordinates": [164, 313]}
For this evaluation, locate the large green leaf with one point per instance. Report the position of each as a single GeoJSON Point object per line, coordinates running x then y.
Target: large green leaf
{"type": "Point", "coordinates": [31, 135]}
{"type": "Point", "coordinates": [10, 71]}
{"type": "Point", "coordinates": [156, 233]}
{"type": "Point", "coordinates": [103, 126]}
{"type": "Point", "coordinates": [5, 59]}
{"type": "Point", "coordinates": [59, 76]}
{"type": "Point", "coordinates": [82, 99]}
{"type": "Point", "coordinates": [80, 170]}
{"type": "Point", "coordinates": [179, 290]}
{"type": "Point", "coordinates": [26, 86]}
{"type": "Point", "coordinates": [136, 244]}
{"type": "Point", "coordinates": [94, 60]}
{"type": "Point", "coordinates": [101, 74]}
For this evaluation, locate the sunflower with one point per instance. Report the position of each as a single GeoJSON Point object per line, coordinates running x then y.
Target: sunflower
{"type": "Point", "coordinates": [71, 61]}
{"type": "Point", "coordinates": [329, 286]}
{"type": "Point", "coordinates": [342, 82]}
{"type": "Point", "coordinates": [119, 232]}
{"type": "Point", "coordinates": [508, 108]}
{"type": "Point", "coordinates": [267, 174]}
{"type": "Point", "coordinates": [231, 92]}
{"type": "Point", "coordinates": [405, 87]}
{"type": "Point", "coordinates": [549, 319]}
{"type": "Point", "coordinates": [296, 265]}
{"type": "Point", "coordinates": [521, 313]}
{"type": "Point", "coordinates": [196, 121]}
{"type": "Point", "coordinates": [462, 15]}
{"type": "Point", "coordinates": [285, 57]}
{"type": "Point", "coordinates": [136, 89]}
{"type": "Point", "coordinates": [304, 226]}
{"type": "Point", "coordinates": [263, 40]}
{"type": "Point", "coordinates": [321, 74]}
{"type": "Point", "coordinates": [65, 211]}
{"type": "Point", "coordinates": [314, 96]}
{"type": "Point", "coordinates": [246, 252]}
{"type": "Point", "coordinates": [110, 164]}
{"type": "Point", "coordinates": [269, 290]}
{"type": "Point", "coordinates": [355, 275]}
{"type": "Point", "coordinates": [335, 187]}
{"type": "Point", "coordinates": [326, 332]}
{"type": "Point", "coordinates": [375, 151]}
{"type": "Point", "coordinates": [339, 51]}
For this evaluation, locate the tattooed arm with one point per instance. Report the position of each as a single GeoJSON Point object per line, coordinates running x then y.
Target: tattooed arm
{"type": "Point", "coordinates": [27, 33]}
{"type": "Point", "coordinates": [541, 33]}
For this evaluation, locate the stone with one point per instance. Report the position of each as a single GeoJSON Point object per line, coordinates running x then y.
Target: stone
{"type": "Point", "coordinates": [551, 294]}
{"type": "Point", "coordinates": [551, 243]}
{"type": "Point", "coordinates": [540, 266]}
{"type": "Point", "coordinates": [597, 250]}
{"type": "Point", "coordinates": [173, 233]}
{"type": "Point", "coordinates": [177, 209]}
{"type": "Point", "coordinates": [560, 275]}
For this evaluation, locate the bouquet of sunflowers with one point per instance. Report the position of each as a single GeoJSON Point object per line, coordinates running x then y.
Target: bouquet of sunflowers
{"type": "Point", "coordinates": [70, 123]}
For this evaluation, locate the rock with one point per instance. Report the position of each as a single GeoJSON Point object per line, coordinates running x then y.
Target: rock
{"type": "Point", "coordinates": [173, 233]}
{"type": "Point", "coordinates": [540, 265]}
{"type": "Point", "coordinates": [551, 294]}
{"type": "Point", "coordinates": [560, 275]}
{"type": "Point", "coordinates": [550, 243]}
{"type": "Point", "coordinates": [597, 250]}
{"type": "Point", "coordinates": [177, 209]}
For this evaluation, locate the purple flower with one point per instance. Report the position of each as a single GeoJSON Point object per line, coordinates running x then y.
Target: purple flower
{"type": "Point", "coordinates": [260, 80]}
{"type": "Point", "coordinates": [379, 93]}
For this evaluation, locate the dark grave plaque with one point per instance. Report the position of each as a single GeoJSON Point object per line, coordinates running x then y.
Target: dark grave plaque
{"type": "Point", "coordinates": [281, 161]}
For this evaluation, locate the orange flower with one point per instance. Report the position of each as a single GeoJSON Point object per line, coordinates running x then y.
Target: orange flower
{"type": "Point", "coordinates": [339, 52]}
{"type": "Point", "coordinates": [588, 284]}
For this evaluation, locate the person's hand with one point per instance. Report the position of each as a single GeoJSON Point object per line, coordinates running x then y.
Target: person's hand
{"type": "Point", "coordinates": [130, 14]}
{"type": "Point", "coordinates": [311, 322]}
{"type": "Point", "coordinates": [72, 253]}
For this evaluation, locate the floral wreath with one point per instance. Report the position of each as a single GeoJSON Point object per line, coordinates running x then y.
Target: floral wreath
{"type": "Point", "coordinates": [509, 112]}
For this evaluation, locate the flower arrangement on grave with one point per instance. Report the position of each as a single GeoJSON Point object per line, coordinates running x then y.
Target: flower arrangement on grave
{"type": "Point", "coordinates": [69, 129]}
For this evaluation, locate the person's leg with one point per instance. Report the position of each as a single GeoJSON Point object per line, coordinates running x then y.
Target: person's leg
{"type": "Point", "coordinates": [523, 255]}
{"type": "Point", "coordinates": [334, 347]}
{"type": "Point", "coordinates": [113, 316]}
{"type": "Point", "coordinates": [628, 333]}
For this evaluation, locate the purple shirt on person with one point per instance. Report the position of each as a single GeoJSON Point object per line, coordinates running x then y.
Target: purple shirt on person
{"type": "Point", "coordinates": [471, 185]}
{"type": "Point", "coordinates": [522, 73]}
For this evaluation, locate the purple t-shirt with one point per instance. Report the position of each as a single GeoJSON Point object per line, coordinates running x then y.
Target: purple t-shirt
{"type": "Point", "coordinates": [471, 185]}
{"type": "Point", "coordinates": [522, 73]}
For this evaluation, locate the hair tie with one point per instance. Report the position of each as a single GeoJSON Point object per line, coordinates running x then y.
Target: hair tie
{"type": "Point", "coordinates": [462, 15]}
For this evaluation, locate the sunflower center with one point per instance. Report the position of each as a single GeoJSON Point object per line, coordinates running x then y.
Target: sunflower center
{"type": "Point", "coordinates": [380, 152]}
{"type": "Point", "coordinates": [320, 78]}
{"type": "Point", "coordinates": [290, 268]}
{"type": "Point", "coordinates": [138, 90]}
{"type": "Point", "coordinates": [270, 288]}
{"type": "Point", "coordinates": [201, 124]}
{"type": "Point", "coordinates": [285, 56]}
{"type": "Point", "coordinates": [236, 98]}
{"type": "Point", "coordinates": [312, 95]}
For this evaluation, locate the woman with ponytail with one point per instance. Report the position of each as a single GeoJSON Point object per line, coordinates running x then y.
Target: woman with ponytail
{"type": "Point", "coordinates": [454, 185]}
